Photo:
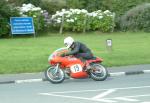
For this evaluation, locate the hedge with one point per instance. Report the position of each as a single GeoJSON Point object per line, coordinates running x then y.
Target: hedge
{"type": "Point", "coordinates": [137, 19]}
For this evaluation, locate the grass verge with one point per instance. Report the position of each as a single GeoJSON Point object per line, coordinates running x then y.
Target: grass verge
{"type": "Point", "coordinates": [18, 55]}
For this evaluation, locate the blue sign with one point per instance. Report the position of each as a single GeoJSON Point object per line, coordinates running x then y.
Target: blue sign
{"type": "Point", "coordinates": [22, 25]}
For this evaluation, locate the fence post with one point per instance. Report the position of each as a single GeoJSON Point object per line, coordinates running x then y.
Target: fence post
{"type": "Point", "coordinates": [84, 23]}
{"type": "Point", "coordinates": [61, 25]}
{"type": "Point", "coordinates": [113, 22]}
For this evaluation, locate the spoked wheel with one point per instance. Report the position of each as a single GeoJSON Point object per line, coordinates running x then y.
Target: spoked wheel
{"type": "Point", "coordinates": [98, 72]}
{"type": "Point", "coordinates": [54, 76]}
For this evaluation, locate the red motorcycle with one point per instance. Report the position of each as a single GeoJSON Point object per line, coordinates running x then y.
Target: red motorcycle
{"type": "Point", "coordinates": [73, 67]}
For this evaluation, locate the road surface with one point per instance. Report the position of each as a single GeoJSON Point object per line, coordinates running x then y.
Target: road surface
{"type": "Point", "coordinates": [122, 89]}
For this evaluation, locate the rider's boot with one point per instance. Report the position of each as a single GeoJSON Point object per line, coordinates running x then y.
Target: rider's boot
{"type": "Point", "coordinates": [87, 66]}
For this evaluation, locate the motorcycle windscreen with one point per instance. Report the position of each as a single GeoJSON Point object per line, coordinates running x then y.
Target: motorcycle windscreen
{"type": "Point", "coordinates": [57, 52]}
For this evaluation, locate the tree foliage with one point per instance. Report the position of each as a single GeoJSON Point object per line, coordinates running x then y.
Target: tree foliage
{"type": "Point", "coordinates": [6, 11]}
{"type": "Point", "coordinates": [137, 18]}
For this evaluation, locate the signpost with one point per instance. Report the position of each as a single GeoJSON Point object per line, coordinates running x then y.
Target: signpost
{"type": "Point", "coordinates": [109, 44]}
{"type": "Point", "coordinates": [22, 25]}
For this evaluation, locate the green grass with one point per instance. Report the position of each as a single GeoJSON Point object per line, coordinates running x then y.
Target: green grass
{"type": "Point", "coordinates": [19, 55]}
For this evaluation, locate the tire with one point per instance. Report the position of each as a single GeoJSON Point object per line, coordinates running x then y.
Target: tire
{"type": "Point", "coordinates": [98, 72]}
{"type": "Point", "coordinates": [59, 77]}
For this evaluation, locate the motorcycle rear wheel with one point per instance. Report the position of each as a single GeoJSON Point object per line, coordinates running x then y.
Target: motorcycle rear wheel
{"type": "Point", "coordinates": [98, 72]}
{"type": "Point", "coordinates": [53, 77]}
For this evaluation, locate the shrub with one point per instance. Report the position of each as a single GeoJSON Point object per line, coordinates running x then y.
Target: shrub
{"type": "Point", "coordinates": [4, 26]}
{"type": "Point", "coordinates": [79, 19]}
{"type": "Point", "coordinates": [6, 11]}
{"type": "Point", "coordinates": [39, 15]}
{"type": "Point", "coordinates": [20, 2]}
{"type": "Point", "coordinates": [137, 18]}
{"type": "Point", "coordinates": [102, 21]}
{"type": "Point", "coordinates": [73, 19]}
{"type": "Point", "coordinates": [52, 5]}
{"type": "Point", "coordinates": [120, 7]}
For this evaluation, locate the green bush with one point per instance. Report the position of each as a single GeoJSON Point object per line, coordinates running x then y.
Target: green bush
{"type": "Point", "coordinates": [4, 26]}
{"type": "Point", "coordinates": [20, 2]}
{"type": "Point", "coordinates": [6, 11]}
{"type": "Point", "coordinates": [90, 5]}
{"type": "Point", "coordinates": [104, 21]}
{"type": "Point", "coordinates": [137, 18]}
{"type": "Point", "coordinates": [52, 5]}
{"type": "Point", "coordinates": [29, 10]}
{"type": "Point", "coordinates": [80, 20]}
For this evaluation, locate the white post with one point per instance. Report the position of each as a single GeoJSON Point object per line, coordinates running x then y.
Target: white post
{"type": "Point", "coordinates": [61, 25]}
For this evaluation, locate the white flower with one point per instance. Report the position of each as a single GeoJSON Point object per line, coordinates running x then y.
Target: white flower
{"type": "Point", "coordinates": [68, 16]}
{"type": "Point", "coordinates": [61, 14]}
{"type": "Point", "coordinates": [84, 11]}
{"type": "Point", "coordinates": [69, 13]}
{"type": "Point", "coordinates": [53, 16]}
{"type": "Point", "coordinates": [100, 17]}
{"type": "Point", "coordinates": [89, 14]}
{"type": "Point", "coordinates": [58, 18]}
{"type": "Point", "coordinates": [70, 20]}
{"type": "Point", "coordinates": [100, 14]}
{"type": "Point", "coordinates": [36, 9]}
{"type": "Point", "coordinates": [58, 21]}
{"type": "Point", "coordinates": [57, 12]}
{"type": "Point", "coordinates": [24, 9]}
{"type": "Point", "coordinates": [71, 9]}
{"type": "Point", "coordinates": [21, 13]}
{"type": "Point", "coordinates": [94, 14]}
{"type": "Point", "coordinates": [25, 15]}
{"type": "Point", "coordinates": [42, 11]}
{"type": "Point", "coordinates": [75, 18]}
{"type": "Point", "coordinates": [63, 10]}
{"type": "Point", "coordinates": [107, 12]}
{"type": "Point", "coordinates": [78, 12]}
{"type": "Point", "coordinates": [23, 4]}
{"type": "Point", "coordinates": [99, 11]}
{"type": "Point", "coordinates": [30, 5]}
{"type": "Point", "coordinates": [34, 16]}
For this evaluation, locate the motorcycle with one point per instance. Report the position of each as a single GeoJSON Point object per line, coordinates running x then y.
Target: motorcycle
{"type": "Point", "coordinates": [73, 67]}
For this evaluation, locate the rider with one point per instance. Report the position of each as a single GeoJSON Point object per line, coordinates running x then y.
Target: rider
{"type": "Point", "coordinates": [77, 49]}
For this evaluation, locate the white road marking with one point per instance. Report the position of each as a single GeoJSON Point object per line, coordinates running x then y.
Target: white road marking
{"type": "Point", "coordinates": [104, 100]}
{"type": "Point", "coordinates": [99, 97]}
{"type": "Point", "coordinates": [73, 97]}
{"type": "Point", "coordinates": [145, 95]}
{"type": "Point", "coordinates": [146, 71]}
{"type": "Point", "coordinates": [126, 99]}
{"type": "Point", "coordinates": [133, 96]}
{"type": "Point", "coordinates": [104, 94]}
{"type": "Point", "coordinates": [81, 91]}
{"type": "Point", "coordinates": [28, 80]}
{"type": "Point", "coordinates": [117, 74]}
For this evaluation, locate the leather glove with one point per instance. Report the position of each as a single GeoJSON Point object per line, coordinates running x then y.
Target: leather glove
{"type": "Point", "coordinates": [63, 55]}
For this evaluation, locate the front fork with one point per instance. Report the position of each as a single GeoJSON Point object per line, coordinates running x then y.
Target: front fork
{"type": "Point", "coordinates": [56, 69]}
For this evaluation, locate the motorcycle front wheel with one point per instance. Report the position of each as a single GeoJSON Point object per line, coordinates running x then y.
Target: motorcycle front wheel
{"type": "Point", "coordinates": [98, 72]}
{"type": "Point", "coordinates": [53, 76]}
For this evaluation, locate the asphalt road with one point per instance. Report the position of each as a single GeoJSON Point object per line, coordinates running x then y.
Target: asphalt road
{"type": "Point", "coordinates": [25, 76]}
{"type": "Point", "coordinates": [122, 89]}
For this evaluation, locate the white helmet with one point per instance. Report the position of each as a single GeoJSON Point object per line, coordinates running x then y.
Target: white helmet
{"type": "Point", "coordinates": [68, 41]}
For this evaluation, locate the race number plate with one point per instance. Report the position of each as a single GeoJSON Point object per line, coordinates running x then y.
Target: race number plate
{"type": "Point", "coordinates": [76, 68]}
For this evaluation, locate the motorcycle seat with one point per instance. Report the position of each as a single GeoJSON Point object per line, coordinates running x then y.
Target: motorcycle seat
{"type": "Point", "coordinates": [95, 60]}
